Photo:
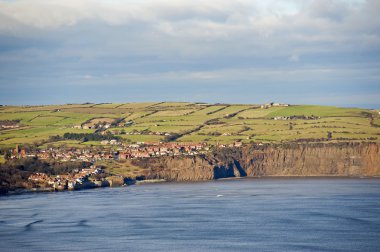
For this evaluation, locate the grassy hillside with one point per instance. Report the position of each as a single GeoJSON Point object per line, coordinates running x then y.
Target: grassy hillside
{"type": "Point", "coordinates": [223, 123]}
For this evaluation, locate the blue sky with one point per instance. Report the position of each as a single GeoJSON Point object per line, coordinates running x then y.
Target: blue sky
{"type": "Point", "coordinates": [299, 52]}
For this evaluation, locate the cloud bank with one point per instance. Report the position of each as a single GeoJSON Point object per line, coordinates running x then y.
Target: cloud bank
{"type": "Point", "coordinates": [217, 51]}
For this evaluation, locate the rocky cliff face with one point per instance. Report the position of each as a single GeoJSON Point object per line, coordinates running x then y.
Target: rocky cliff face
{"type": "Point", "coordinates": [350, 159]}
{"type": "Point", "coordinates": [177, 168]}
{"type": "Point", "coordinates": [313, 160]}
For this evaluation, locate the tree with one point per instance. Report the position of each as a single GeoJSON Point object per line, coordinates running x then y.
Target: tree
{"type": "Point", "coordinates": [7, 154]}
{"type": "Point", "coordinates": [329, 136]}
{"type": "Point", "coordinates": [172, 137]}
{"type": "Point", "coordinates": [290, 126]}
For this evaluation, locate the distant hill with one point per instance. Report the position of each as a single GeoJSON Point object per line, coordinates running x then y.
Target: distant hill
{"type": "Point", "coordinates": [187, 122]}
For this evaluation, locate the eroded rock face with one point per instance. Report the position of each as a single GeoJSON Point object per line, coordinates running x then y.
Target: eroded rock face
{"type": "Point", "coordinates": [350, 159]}
{"type": "Point", "coordinates": [313, 160]}
{"type": "Point", "coordinates": [178, 168]}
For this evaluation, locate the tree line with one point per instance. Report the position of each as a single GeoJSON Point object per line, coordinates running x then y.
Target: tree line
{"type": "Point", "coordinates": [84, 137]}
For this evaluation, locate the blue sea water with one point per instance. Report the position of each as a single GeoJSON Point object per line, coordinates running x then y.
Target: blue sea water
{"type": "Point", "coordinates": [319, 214]}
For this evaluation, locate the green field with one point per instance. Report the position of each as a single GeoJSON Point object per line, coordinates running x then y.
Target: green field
{"type": "Point", "coordinates": [214, 123]}
{"type": "Point", "coordinates": [308, 110]}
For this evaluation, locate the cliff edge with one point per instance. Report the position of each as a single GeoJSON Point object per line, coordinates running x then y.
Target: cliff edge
{"type": "Point", "coordinates": [340, 159]}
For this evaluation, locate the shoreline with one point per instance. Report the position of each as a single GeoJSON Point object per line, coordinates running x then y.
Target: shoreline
{"type": "Point", "coordinates": [162, 181]}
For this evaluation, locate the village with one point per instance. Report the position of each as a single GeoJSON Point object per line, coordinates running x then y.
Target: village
{"type": "Point", "coordinates": [78, 179]}
{"type": "Point", "coordinates": [119, 151]}
{"type": "Point", "coordinates": [94, 175]}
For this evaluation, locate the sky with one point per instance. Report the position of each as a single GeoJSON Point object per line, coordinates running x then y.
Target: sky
{"type": "Point", "coordinates": [240, 51]}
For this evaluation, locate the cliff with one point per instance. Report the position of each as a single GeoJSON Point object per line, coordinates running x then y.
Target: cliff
{"type": "Point", "coordinates": [348, 159]}
{"type": "Point", "coordinates": [351, 159]}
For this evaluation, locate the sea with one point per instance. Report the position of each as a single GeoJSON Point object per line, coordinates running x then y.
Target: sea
{"type": "Point", "coordinates": [264, 214]}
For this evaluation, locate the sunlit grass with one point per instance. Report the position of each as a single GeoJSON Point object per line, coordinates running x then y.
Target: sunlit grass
{"type": "Point", "coordinates": [250, 123]}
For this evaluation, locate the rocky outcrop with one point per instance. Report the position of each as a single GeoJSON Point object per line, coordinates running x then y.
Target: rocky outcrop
{"type": "Point", "coordinates": [114, 181]}
{"type": "Point", "coordinates": [349, 159]}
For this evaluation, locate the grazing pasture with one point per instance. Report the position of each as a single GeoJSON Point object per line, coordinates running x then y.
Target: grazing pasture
{"type": "Point", "coordinates": [213, 123]}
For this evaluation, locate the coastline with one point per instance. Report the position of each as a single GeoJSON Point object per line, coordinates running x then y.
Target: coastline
{"type": "Point", "coordinates": [162, 181]}
{"type": "Point", "coordinates": [298, 161]}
